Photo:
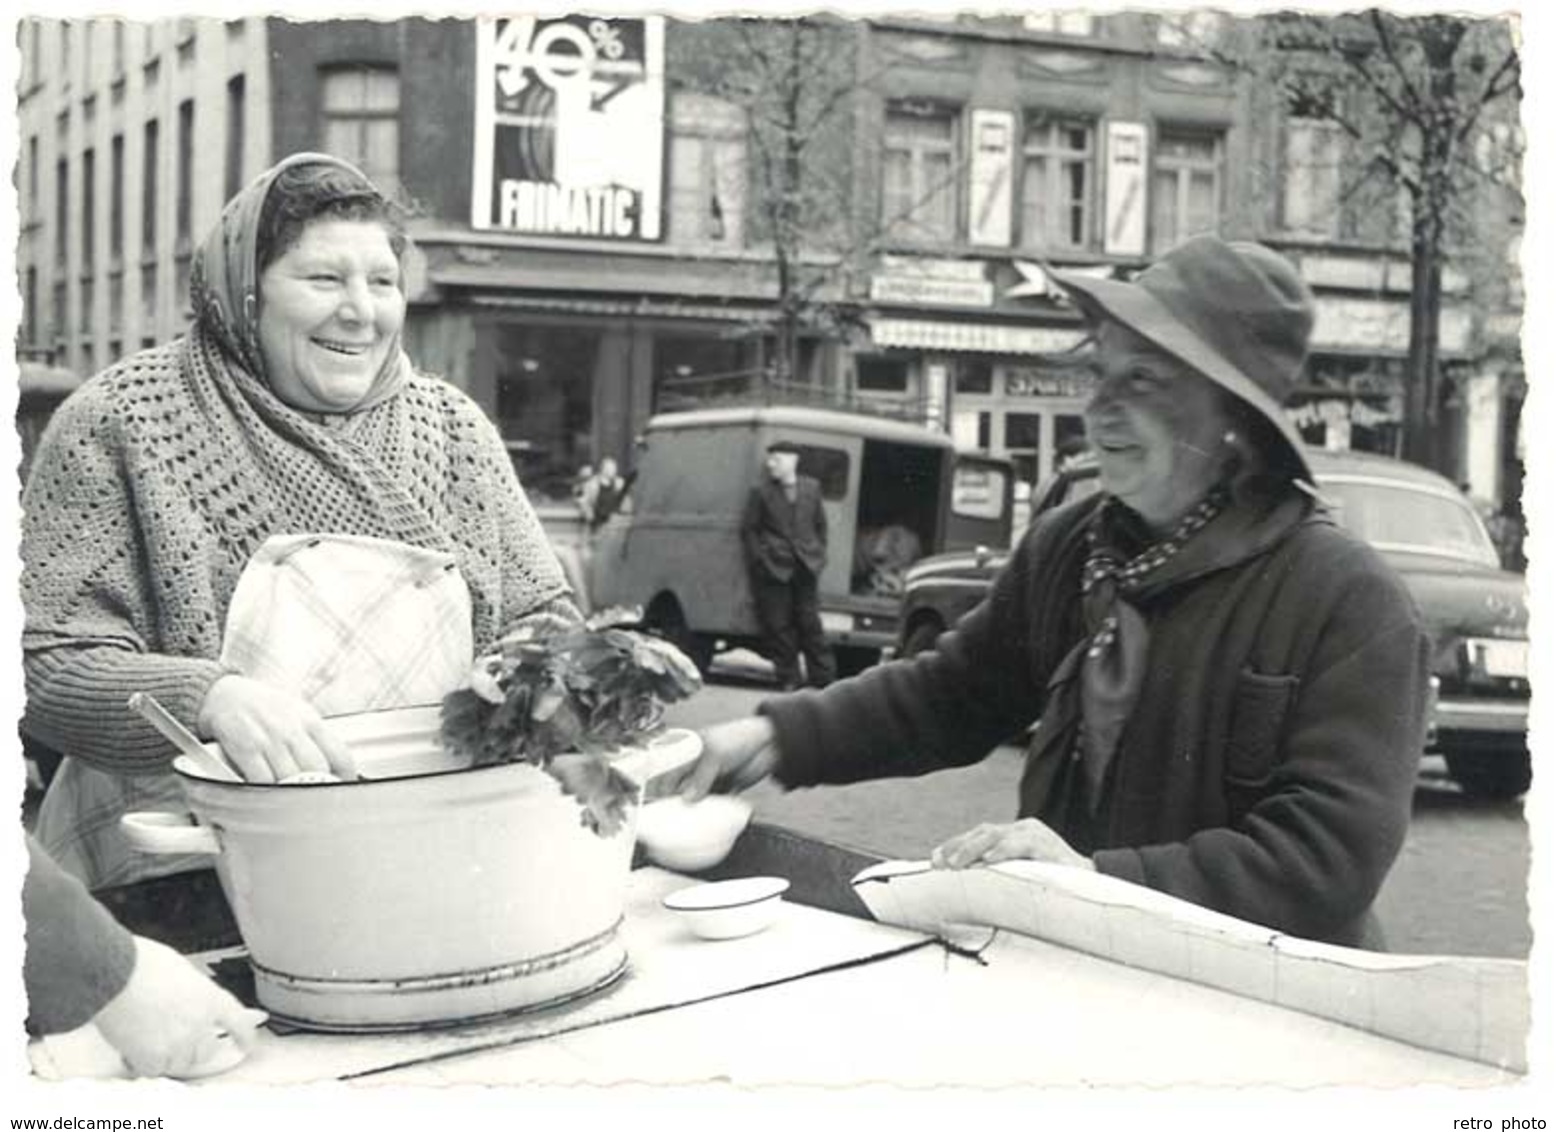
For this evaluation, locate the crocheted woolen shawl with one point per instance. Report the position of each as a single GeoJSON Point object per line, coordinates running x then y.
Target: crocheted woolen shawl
{"type": "Point", "coordinates": [160, 478]}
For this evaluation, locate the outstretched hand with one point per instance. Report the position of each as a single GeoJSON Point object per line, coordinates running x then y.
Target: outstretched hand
{"type": "Point", "coordinates": [170, 1018]}
{"type": "Point", "coordinates": [736, 755]}
{"type": "Point", "coordinates": [1027, 839]}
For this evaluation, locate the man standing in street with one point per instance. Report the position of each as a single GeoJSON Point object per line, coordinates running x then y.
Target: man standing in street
{"type": "Point", "coordinates": [784, 534]}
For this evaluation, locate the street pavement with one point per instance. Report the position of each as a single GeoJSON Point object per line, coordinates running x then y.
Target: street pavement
{"type": "Point", "coordinates": [1458, 887]}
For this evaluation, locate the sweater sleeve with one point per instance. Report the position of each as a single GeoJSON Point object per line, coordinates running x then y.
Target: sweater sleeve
{"type": "Point", "coordinates": [87, 595]}
{"type": "Point", "coordinates": [947, 707]}
{"type": "Point", "coordinates": [78, 957]}
{"type": "Point", "coordinates": [1312, 852]}
{"type": "Point", "coordinates": [77, 702]}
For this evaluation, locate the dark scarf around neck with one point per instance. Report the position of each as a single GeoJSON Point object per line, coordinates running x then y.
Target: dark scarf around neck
{"type": "Point", "coordinates": [1094, 688]}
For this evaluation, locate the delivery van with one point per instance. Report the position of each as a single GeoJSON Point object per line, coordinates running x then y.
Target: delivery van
{"type": "Point", "coordinates": [893, 492]}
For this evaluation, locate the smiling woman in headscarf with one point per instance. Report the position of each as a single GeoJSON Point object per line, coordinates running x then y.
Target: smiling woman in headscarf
{"type": "Point", "coordinates": [1231, 689]}
{"type": "Point", "coordinates": [287, 429]}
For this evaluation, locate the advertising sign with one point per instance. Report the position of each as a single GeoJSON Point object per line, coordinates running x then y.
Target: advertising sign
{"type": "Point", "coordinates": [989, 202]}
{"type": "Point", "coordinates": [915, 290]}
{"type": "Point", "coordinates": [1126, 196]}
{"type": "Point", "coordinates": [570, 115]}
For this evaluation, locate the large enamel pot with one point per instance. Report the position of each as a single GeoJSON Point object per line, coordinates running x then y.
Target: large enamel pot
{"type": "Point", "coordinates": [416, 896]}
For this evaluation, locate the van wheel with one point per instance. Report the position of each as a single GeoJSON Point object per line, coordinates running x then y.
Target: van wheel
{"type": "Point", "coordinates": [666, 619]}
{"type": "Point", "coordinates": [922, 637]}
{"type": "Point", "coordinates": [1500, 777]}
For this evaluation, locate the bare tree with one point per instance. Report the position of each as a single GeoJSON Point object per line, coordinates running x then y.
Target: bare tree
{"type": "Point", "coordinates": [1428, 107]}
{"type": "Point", "coordinates": [803, 85]}
{"type": "Point", "coordinates": [793, 81]}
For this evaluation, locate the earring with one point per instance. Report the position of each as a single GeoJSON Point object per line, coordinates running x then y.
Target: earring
{"type": "Point", "coordinates": [1230, 438]}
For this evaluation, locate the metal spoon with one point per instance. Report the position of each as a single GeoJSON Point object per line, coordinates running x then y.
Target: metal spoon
{"type": "Point", "coordinates": [212, 765]}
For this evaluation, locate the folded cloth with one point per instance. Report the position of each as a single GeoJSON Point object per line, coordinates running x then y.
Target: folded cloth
{"type": "Point", "coordinates": [351, 623]}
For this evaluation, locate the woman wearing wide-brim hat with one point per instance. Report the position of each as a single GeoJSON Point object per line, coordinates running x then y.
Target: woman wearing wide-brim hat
{"type": "Point", "coordinates": [1231, 688]}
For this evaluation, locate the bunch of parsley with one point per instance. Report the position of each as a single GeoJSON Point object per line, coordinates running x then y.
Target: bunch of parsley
{"type": "Point", "coordinates": [565, 697]}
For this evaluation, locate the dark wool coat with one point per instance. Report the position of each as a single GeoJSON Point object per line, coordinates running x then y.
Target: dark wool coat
{"type": "Point", "coordinates": [777, 534]}
{"type": "Point", "coordinates": [1266, 770]}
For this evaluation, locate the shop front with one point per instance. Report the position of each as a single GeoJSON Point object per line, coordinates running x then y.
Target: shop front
{"type": "Point", "coordinates": [1009, 390]}
{"type": "Point", "coordinates": [571, 352]}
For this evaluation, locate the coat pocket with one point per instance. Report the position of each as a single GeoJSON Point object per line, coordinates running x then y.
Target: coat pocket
{"type": "Point", "coordinates": [1260, 706]}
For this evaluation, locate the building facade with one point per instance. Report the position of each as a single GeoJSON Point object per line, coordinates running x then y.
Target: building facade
{"type": "Point", "coordinates": [591, 251]}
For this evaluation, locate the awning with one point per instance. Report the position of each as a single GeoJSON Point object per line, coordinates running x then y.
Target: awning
{"type": "Point", "coordinates": [625, 308]}
{"type": "Point", "coordinates": [971, 337]}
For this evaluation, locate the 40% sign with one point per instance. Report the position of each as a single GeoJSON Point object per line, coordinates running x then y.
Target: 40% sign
{"type": "Point", "coordinates": [562, 55]}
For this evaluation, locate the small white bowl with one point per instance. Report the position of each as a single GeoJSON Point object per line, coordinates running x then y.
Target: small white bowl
{"type": "Point", "coordinates": [689, 836]}
{"type": "Point", "coordinates": [729, 909]}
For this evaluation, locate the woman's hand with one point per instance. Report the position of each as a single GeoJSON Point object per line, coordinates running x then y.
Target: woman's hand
{"type": "Point", "coordinates": [270, 733]}
{"type": "Point", "coordinates": [1027, 839]}
{"type": "Point", "coordinates": [169, 1018]}
{"type": "Point", "coordinates": [736, 755]}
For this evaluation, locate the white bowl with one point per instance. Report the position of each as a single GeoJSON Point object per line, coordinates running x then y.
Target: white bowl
{"type": "Point", "coordinates": [729, 909]}
{"type": "Point", "coordinates": [686, 835]}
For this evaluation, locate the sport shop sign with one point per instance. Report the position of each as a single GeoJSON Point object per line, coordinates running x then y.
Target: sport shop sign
{"type": "Point", "coordinates": [570, 117]}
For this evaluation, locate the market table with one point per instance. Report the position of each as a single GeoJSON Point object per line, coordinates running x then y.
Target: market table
{"type": "Point", "coordinates": [829, 996]}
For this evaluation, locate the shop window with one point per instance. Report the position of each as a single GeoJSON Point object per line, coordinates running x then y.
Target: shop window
{"type": "Point", "coordinates": [975, 376]}
{"type": "Point", "coordinates": [1070, 438]}
{"type": "Point", "coordinates": [707, 171]}
{"type": "Point", "coordinates": [881, 375]}
{"type": "Point", "coordinates": [1186, 187]}
{"type": "Point", "coordinates": [919, 172]}
{"type": "Point", "coordinates": [545, 404]}
{"type": "Point", "coordinates": [1022, 430]}
{"type": "Point", "coordinates": [1058, 175]}
{"type": "Point", "coordinates": [360, 112]}
{"type": "Point", "coordinates": [691, 370]}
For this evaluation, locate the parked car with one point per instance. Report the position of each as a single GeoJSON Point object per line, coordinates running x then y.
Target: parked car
{"type": "Point", "coordinates": [1429, 531]}
{"type": "Point", "coordinates": [893, 491]}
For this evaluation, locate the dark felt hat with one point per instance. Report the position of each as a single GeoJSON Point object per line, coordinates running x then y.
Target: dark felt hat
{"type": "Point", "coordinates": [784, 446]}
{"type": "Point", "coordinates": [1238, 313]}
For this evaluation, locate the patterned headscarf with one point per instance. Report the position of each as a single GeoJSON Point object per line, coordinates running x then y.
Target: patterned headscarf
{"type": "Point", "coordinates": [224, 286]}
